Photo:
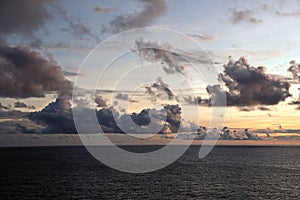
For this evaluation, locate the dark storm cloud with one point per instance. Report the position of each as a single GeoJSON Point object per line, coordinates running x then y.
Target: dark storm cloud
{"type": "Point", "coordinates": [25, 73]}
{"type": "Point", "coordinates": [250, 86]}
{"type": "Point", "coordinates": [100, 101]}
{"type": "Point", "coordinates": [295, 70]}
{"type": "Point", "coordinates": [22, 17]}
{"type": "Point", "coordinates": [151, 10]}
{"type": "Point", "coordinates": [160, 90]}
{"type": "Point", "coordinates": [244, 16]}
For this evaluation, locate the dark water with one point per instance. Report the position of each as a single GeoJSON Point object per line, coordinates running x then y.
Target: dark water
{"type": "Point", "coordinates": [228, 172]}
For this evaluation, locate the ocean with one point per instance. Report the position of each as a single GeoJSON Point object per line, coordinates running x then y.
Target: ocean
{"type": "Point", "coordinates": [231, 172]}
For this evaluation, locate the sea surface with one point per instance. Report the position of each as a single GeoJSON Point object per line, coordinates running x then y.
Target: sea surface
{"type": "Point", "coordinates": [227, 172]}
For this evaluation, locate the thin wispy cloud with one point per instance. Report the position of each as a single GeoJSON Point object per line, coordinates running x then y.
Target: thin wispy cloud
{"type": "Point", "coordinates": [244, 16]}
{"type": "Point", "coordinates": [152, 9]}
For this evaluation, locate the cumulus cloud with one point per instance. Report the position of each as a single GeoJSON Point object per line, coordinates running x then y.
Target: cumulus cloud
{"type": "Point", "coordinates": [57, 117]}
{"type": "Point", "coordinates": [106, 120]}
{"type": "Point", "coordinates": [250, 85]}
{"type": "Point", "coordinates": [160, 90]}
{"type": "Point", "coordinates": [228, 134]}
{"type": "Point", "coordinates": [242, 16]}
{"type": "Point", "coordinates": [169, 123]}
{"type": "Point", "coordinates": [25, 73]}
{"type": "Point", "coordinates": [142, 119]}
{"type": "Point", "coordinates": [295, 70]}
{"type": "Point", "coordinates": [22, 18]}
{"type": "Point", "coordinates": [151, 10]}
{"type": "Point", "coordinates": [100, 101]}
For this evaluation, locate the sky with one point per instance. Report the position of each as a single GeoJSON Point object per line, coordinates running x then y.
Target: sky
{"type": "Point", "coordinates": [47, 47]}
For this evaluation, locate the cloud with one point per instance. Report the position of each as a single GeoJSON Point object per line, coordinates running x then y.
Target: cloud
{"type": "Point", "coordinates": [151, 10]}
{"type": "Point", "coordinates": [3, 107]}
{"type": "Point", "coordinates": [57, 117]}
{"type": "Point", "coordinates": [227, 134]}
{"type": "Point", "coordinates": [193, 101]}
{"type": "Point", "coordinates": [169, 123]}
{"type": "Point", "coordinates": [204, 38]}
{"type": "Point", "coordinates": [246, 109]}
{"type": "Point", "coordinates": [263, 108]}
{"type": "Point", "coordinates": [74, 26]}
{"type": "Point", "coordinates": [142, 119]}
{"type": "Point", "coordinates": [22, 18]}
{"type": "Point", "coordinates": [121, 96]}
{"type": "Point", "coordinates": [19, 104]}
{"type": "Point", "coordinates": [160, 90]}
{"type": "Point", "coordinates": [102, 10]}
{"type": "Point", "coordinates": [69, 73]}
{"type": "Point", "coordinates": [250, 86]}
{"type": "Point", "coordinates": [295, 70]}
{"type": "Point", "coordinates": [288, 14]}
{"type": "Point", "coordinates": [173, 116]}
{"type": "Point", "coordinates": [25, 73]}
{"type": "Point", "coordinates": [163, 53]}
{"type": "Point", "coordinates": [100, 101]}
{"type": "Point", "coordinates": [240, 16]}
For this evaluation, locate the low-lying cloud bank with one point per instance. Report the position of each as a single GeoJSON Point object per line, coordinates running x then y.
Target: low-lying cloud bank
{"type": "Point", "coordinates": [57, 117]}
